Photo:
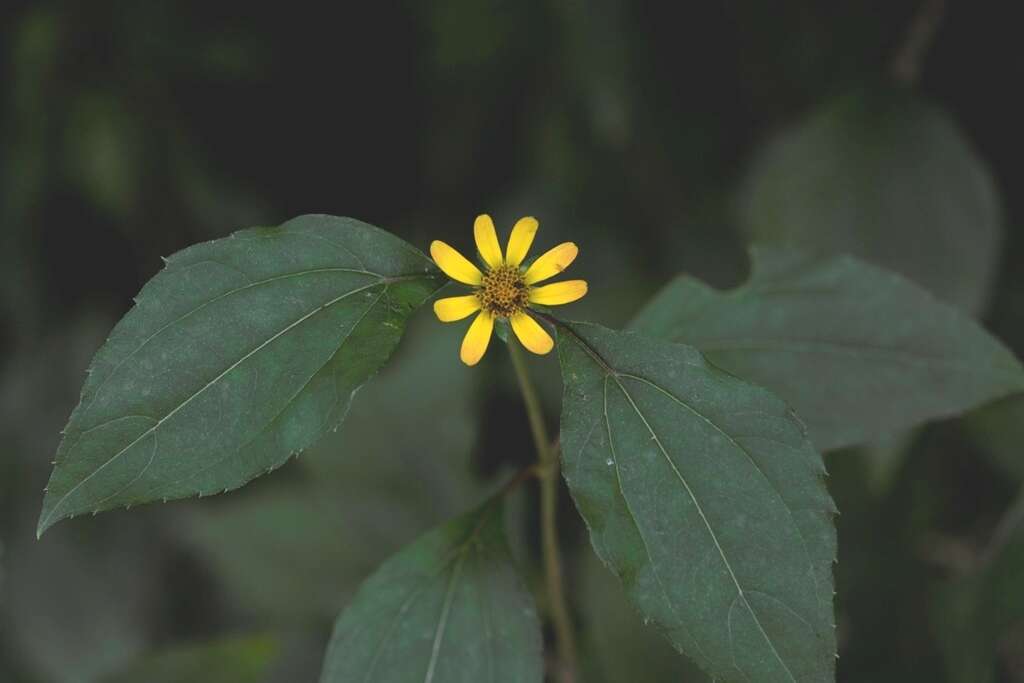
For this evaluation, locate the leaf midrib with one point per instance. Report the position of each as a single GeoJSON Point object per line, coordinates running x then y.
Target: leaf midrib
{"type": "Point", "coordinates": [284, 407]}
{"type": "Point", "coordinates": [453, 562]}
{"type": "Point", "coordinates": [223, 295]}
{"type": "Point", "coordinates": [750, 458]}
{"type": "Point", "coordinates": [609, 371]}
{"type": "Point", "coordinates": [44, 523]}
{"type": "Point", "coordinates": [632, 515]}
{"type": "Point", "coordinates": [442, 623]}
{"type": "Point", "coordinates": [741, 594]}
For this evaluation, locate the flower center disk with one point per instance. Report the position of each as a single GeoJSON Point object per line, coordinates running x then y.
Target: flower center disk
{"type": "Point", "coordinates": [503, 292]}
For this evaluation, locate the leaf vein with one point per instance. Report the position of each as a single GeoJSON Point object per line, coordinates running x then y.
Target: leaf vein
{"type": "Point", "coordinates": [707, 523]}
{"type": "Point", "coordinates": [746, 452]}
{"type": "Point", "coordinates": [442, 624]}
{"type": "Point", "coordinates": [218, 461]}
{"type": "Point", "coordinates": [203, 305]}
{"type": "Point", "coordinates": [636, 524]}
{"type": "Point", "coordinates": [213, 381]}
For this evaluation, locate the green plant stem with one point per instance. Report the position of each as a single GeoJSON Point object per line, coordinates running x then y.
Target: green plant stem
{"type": "Point", "coordinates": [548, 474]}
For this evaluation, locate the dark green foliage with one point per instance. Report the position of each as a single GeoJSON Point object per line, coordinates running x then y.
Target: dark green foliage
{"type": "Point", "coordinates": [857, 351]}
{"type": "Point", "coordinates": [239, 354]}
{"type": "Point", "coordinates": [449, 607]}
{"type": "Point", "coordinates": [663, 138]}
{"type": "Point", "coordinates": [704, 496]}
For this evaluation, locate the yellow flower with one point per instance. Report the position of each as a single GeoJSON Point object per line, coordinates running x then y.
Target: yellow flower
{"type": "Point", "coordinates": [506, 290]}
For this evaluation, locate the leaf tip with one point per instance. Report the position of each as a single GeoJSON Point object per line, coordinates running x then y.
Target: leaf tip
{"type": "Point", "coordinates": [46, 521]}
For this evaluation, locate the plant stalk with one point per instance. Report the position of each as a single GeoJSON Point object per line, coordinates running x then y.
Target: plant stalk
{"type": "Point", "coordinates": [548, 475]}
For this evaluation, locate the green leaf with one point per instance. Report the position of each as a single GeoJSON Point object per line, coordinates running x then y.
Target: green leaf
{"type": "Point", "coordinates": [449, 607]}
{"type": "Point", "coordinates": [890, 178]}
{"type": "Point", "coordinates": [234, 660]}
{"type": "Point", "coordinates": [704, 496]}
{"type": "Point", "coordinates": [859, 352]}
{"type": "Point", "coordinates": [240, 353]}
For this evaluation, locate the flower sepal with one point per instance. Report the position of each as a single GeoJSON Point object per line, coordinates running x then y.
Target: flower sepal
{"type": "Point", "coordinates": [502, 329]}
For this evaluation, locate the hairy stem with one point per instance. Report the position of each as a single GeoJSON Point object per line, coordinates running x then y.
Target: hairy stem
{"type": "Point", "coordinates": [548, 474]}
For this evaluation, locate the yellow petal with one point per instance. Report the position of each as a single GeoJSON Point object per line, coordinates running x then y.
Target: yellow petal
{"type": "Point", "coordinates": [531, 334]}
{"type": "Point", "coordinates": [520, 240]}
{"type": "Point", "coordinates": [474, 344]}
{"type": "Point", "coordinates": [551, 263]}
{"type": "Point", "coordinates": [454, 264]}
{"type": "Point", "coordinates": [456, 307]}
{"type": "Point", "coordinates": [487, 241]}
{"type": "Point", "coordinates": [558, 293]}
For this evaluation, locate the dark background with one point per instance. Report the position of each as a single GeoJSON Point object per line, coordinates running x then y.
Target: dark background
{"type": "Point", "coordinates": [129, 130]}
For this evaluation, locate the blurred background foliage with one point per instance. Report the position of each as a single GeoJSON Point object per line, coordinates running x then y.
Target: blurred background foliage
{"type": "Point", "coordinates": [662, 137]}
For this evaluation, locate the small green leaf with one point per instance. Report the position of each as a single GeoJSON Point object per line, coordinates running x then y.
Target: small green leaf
{"type": "Point", "coordinates": [859, 352]}
{"type": "Point", "coordinates": [240, 353]}
{"type": "Point", "coordinates": [887, 177]}
{"type": "Point", "coordinates": [704, 496]}
{"type": "Point", "coordinates": [449, 607]}
{"type": "Point", "coordinates": [234, 660]}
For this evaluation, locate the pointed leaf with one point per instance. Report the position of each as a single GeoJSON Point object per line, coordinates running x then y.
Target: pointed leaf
{"type": "Point", "coordinates": [858, 351]}
{"type": "Point", "coordinates": [240, 353]}
{"type": "Point", "coordinates": [449, 607]}
{"type": "Point", "coordinates": [704, 496]}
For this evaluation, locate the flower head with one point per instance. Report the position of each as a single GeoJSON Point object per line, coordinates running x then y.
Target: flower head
{"type": "Point", "coordinates": [506, 289]}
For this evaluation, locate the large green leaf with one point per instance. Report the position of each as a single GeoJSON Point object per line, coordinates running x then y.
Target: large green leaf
{"type": "Point", "coordinates": [885, 176]}
{"type": "Point", "coordinates": [241, 352]}
{"type": "Point", "coordinates": [704, 496]}
{"type": "Point", "coordinates": [449, 607]}
{"type": "Point", "coordinates": [234, 660]}
{"type": "Point", "coordinates": [859, 352]}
